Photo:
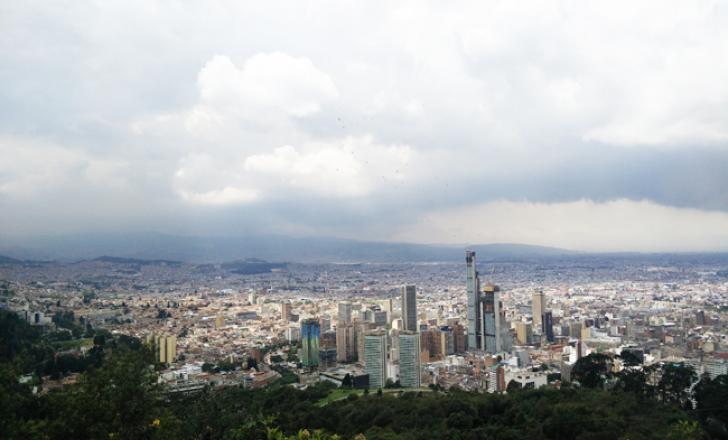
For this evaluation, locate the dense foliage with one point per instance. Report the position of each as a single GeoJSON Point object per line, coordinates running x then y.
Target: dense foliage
{"type": "Point", "coordinates": [119, 398]}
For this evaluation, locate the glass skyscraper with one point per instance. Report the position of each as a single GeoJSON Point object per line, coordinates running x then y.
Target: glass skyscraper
{"type": "Point", "coordinates": [375, 353]}
{"type": "Point", "coordinates": [475, 332]}
{"type": "Point", "coordinates": [409, 360]}
{"type": "Point", "coordinates": [310, 334]}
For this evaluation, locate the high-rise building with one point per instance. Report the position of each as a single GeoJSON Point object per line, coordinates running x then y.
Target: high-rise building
{"type": "Point", "coordinates": [575, 329]}
{"type": "Point", "coordinates": [379, 318]}
{"type": "Point", "coordinates": [409, 360]}
{"type": "Point", "coordinates": [346, 343]}
{"type": "Point", "coordinates": [409, 308]}
{"type": "Point", "coordinates": [538, 307]}
{"type": "Point", "coordinates": [548, 326]}
{"type": "Point", "coordinates": [387, 307]}
{"type": "Point", "coordinates": [167, 349]}
{"type": "Point", "coordinates": [459, 338]}
{"type": "Point", "coordinates": [524, 333]}
{"type": "Point", "coordinates": [473, 293]}
{"type": "Point", "coordinates": [252, 298]}
{"type": "Point", "coordinates": [375, 353]}
{"type": "Point", "coordinates": [362, 328]}
{"type": "Point", "coordinates": [496, 334]}
{"type": "Point", "coordinates": [310, 334]}
{"type": "Point", "coordinates": [293, 334]}
{"type": "Point", "coordinates": [286, 310]}
{"type": "Point", "coordinates": [345, 309]}
{"type": "Point", "coordinates": [447, 341]}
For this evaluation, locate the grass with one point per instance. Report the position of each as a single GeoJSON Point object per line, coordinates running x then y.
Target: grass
{"type": "Point", "coordinates": [343, 393]}
{"type": "Point", "coordinates": [74, 343]}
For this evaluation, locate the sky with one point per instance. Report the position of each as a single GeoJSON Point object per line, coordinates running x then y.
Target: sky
{"type": "Point", "coordinates": [597, 126]}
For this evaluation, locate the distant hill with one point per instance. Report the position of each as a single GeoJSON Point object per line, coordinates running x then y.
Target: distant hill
{"type": "Point", "coordinates": [8, 260]}
{"type": "Point", "coordinates": [172, 248]}
{"type": "Point", "coordinates": [135, 261]}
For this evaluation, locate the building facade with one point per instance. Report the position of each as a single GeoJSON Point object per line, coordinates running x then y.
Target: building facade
{"type": "Point", "coordinates": [409, 308]}
{"type": "Point", "coordinates": [409, 360]}
{"type": "Point", "coordinates": [310, 341]}
{"type": "Point", "coordinates": [474, 341]}
{"type": "Point", "coordinates": [375, 354]}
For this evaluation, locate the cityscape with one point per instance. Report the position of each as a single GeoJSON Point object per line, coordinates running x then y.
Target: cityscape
{"type": "Point", "coordinates": [363, 220]}
{"type": "Point", "coordinates": [478, 327]}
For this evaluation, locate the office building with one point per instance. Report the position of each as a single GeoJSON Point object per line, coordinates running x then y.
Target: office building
{"type": "Point", "coordinates": [548, 326]}
{"type": "Point", "coordinates": [166, 347]}
{"type": "Point", "coordinates": [388, 308]}
{"type": "Point", "coordinates": [286, 310]}
{"type": "Point", "coordinates": [474, 340]}
{"type": "Point", "coordinates": [431, 342]}
{"type": "Point", "coordinates": [460, 338]}
{"type": "Point", "coordinates": [252, 298]}
{"type": "Point", "coordinates": [409, 360]}
{"type": "Point", "coordinates": [345, 310]}
{"type": "Point", "coordinates": [375, 353]}
{"type": "Point", "coordinates": [496, 332]}
{"type": "Point", "coordinates": [447, 341]}
{"type": "Point", "coordinates": [293, 334]}
{"type": "Point", "coordinates": [409, 308]}
{"type": "Point", "coordinates": [346, 343]}
{"type": "Point", "coordinates": [310, 338]}
{"type": "Point", "coordinates": [524, 333]}
{"type": "Point", "coordinates": [538, 307]}
{"type": "Point", "coordinates": [380, 318]}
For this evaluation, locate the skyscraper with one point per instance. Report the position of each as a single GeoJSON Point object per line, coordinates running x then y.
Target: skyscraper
{"type": "Point", "coordinates": [459, 338]}
{"type": "Point", "coordinates": [409, 359]}
{"type": "Point", "coordinates": [548, 326]}
{"type": "Point", "coordinates": [473, 294]}
{"type": "Point", "coordinates": [409, 308]}
{"type": "Point", "coordinates": [310, 334]}
{"type": "Point", "coordinates": [538, 307]}
{"type": "Point", "coordinates": [388, 308]}
{"type": "Point", "coordinates": [524, 333]}
{"type": "Point", "coordinates": [375, 353]}
{"type": "Point", "coordinates": [496, 335]}
{"type": "Point", "coordinates": [346, 343]}
{"type": "Point", "coordinates": [344, 312]}
{"type": "Point", "coordinates": [286, 310]}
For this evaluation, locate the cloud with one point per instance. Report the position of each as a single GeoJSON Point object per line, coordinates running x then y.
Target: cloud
{"type": "Point", "coordinates": [267, 80]}
{"type": "Point", "coordinates": [353, 168]}
{"type": "Point", "coordinates": [225, 196]}
{"type": "Point", "coordinates": [153, 116]}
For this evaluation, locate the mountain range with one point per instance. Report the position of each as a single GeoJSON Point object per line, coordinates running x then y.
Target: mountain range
{"type": "Point", "coordinates": [153, 246]}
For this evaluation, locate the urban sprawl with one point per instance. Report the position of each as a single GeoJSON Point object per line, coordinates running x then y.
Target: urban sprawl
{"type": "Point", "coordinates": [379, 326]}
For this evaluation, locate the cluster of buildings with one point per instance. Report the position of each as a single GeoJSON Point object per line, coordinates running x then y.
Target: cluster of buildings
{"type": "Point", "coordinates": [367, 325]}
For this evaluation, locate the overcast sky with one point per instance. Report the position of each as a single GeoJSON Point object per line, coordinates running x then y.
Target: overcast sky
{"type": "Point", "coordinates": [587, 125]}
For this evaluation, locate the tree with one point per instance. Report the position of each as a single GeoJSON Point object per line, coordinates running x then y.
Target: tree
{"type": "Point", "coordinates": [629, 358]}
{"type": "Point", "coordinates": [711, 397]}
{"type": "Point", "coordinates": [684, 430]}
{"type": "Point", "coordinates": [675, 382]}
{"type": "Point", "coordinates": [592, 371]}
{"type": "Point", "coordinates": [513, 387]}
